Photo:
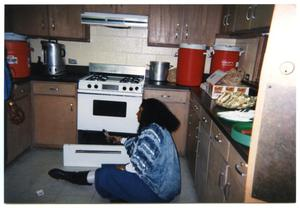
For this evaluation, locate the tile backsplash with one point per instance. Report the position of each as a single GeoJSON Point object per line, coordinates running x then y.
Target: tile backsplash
{"type": "Point", "coordinates": [112, 46]}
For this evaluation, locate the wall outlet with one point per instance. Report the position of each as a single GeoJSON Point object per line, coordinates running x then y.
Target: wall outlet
{"type": "Point", "coordinates": [72, 61]}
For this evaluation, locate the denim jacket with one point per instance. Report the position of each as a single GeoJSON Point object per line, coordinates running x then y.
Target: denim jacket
{"type": "Point", "coordinates": [154, 156]}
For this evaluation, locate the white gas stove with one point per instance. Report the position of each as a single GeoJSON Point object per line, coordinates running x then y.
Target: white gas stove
{"type": "Point", "coordinates": [108, 98]}
{"type": "Point", "coordinates": [113, 79]}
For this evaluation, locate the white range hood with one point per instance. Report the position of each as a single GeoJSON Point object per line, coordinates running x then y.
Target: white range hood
{"type": "Point", "coordinates": [114, 20]}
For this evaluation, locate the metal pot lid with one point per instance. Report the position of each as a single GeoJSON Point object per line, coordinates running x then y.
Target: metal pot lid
{"type": "Point", "coordinates": [159, 62]}
{"type": "Point", "coordinates": [15, 36]}
{"type": "Point", "coordinates": [193, 46]}
{"type": "Point", "coordinates": [226, 48]}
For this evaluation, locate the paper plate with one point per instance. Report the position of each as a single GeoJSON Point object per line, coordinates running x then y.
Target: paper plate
{"type": "Point", "coordinates": [237, 116]}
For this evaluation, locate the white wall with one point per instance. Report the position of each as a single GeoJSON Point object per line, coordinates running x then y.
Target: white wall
{"type": "Point", "coordinates": [118, 46]}
{"type": "Point", "coordinates": [114, 46]}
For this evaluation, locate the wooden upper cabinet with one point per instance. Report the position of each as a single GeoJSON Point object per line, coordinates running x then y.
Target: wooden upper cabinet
{"type": "Point", "coordinates": [170, 25]}
{"type": "Point", "coordinates": [228, 19]}
{"type": "Point", "coordinates": [253, 16]}
{"type": "Point", "coordinates": [164, 26]}
{"type": "Point", "coordinates": [262, 15]}
{"type": "Point", "coordinates": [28, 19]}
{"type": "Point", "coordinates": [133, 9]}
{"type": "Point", "coordinates": [242, 17]}
{"type": "Point", "coordinates": [64, 21]}
{"type": "Point", "coordinates": [121, 9]}
{"type": "Point", "coordinates": [55, 21]}
{"type": "Point", "coordinates": [203, 23]}
{"type": "Point", "coordinates": [106, 8]}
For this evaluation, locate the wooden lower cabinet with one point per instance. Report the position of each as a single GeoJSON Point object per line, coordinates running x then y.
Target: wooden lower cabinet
{"type": "Point", "coordinates": [54, 113]}
{"type": "Point", "coordinates": [217, 176]}
{"type": "Point", "coordinates": [177, 101]}
{"type": "Point", "coordinates": [234, 189]}
{"type": "Point", "coordinates": [219, 170]}
{"type": "Point", "coordinates": [18, 136]}
{"type": "Point", "coordinates": [202, 159]}
{"type": "Point", "coordinates": [192, 137]}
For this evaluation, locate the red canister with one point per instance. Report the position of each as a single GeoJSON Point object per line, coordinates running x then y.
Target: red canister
{"type": "Point", "coordinates": [225, 58]}
{"type": "Point", "coordinates": [190, 65]}
{"type": "Point", "coordinates": [17, 55]}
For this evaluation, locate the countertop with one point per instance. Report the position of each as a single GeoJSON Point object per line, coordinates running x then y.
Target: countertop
{"type": "Point", "coordinates": [209, 106]}
{"type": "Point", "coordinates": [71, 73]}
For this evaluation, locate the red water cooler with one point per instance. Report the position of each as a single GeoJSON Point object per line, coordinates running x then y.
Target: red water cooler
{"type": "Point", "coordinates": [17, 55]}
{"type": "Point", "coordinates": [190, 65]}
{"type": "Point", "coordinates": [225, 58]}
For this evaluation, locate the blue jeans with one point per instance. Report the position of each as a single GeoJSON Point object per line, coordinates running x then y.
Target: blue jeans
{"type": "Point", "coordinates": [122, 185]}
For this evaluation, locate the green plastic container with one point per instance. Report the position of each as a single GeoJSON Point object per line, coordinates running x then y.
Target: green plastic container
{"type": "Point", "coordinates": [238, 136]}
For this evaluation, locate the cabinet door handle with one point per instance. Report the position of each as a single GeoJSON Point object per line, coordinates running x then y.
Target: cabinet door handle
{"type": "Point", "coordinates": [227, 20]}
{"type": "Point", "coordinates": [53, 26]}
{"type": "Point", "coordinates": [177, 30]}
{"type": "Point", "coordinates": [238, 168]}
{"type": "Point", "coordinates": [43, 25]}
{"type": "Point", "coordinates": [196, 107]}
{"type": "Point", "coordinates": [249, 10]}
{"type": "Point", "coordinates": [221, 179]}
{"type": "Point", "coordinates": [217, 138]}
{"type": "Point", "coordinates": [54, 89]}
{"type": "Point", "coordinates": [165, 96]}
{"type": "Point", "coordinates": [186, 31]}
{"type": "Point", "coordinates": [71, 106]}
{"type": "Point", "coordinates": [253, 15]}
{"type": "Point", "coordinates": [227, 191]}
{"type": "Point", "coordinates": [224, 20]}
{"type": "Point", "coordinates": [204, 119]}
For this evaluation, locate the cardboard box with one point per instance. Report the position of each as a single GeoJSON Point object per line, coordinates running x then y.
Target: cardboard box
{"type": "Point", "coordinates": [215, 89]}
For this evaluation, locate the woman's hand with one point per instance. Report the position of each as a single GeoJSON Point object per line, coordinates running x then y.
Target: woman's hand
{"type": "Point", "coordinates": [113, 139]}
{"type": "Point", "coordinates": [116, 139]}
{"type": "Point", "coordinates": [120, 167]}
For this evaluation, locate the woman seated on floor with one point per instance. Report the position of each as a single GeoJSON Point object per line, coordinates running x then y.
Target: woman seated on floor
{"type": "Point", "coordinates": [153, 174]}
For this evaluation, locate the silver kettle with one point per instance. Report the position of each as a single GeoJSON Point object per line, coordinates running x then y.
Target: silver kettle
{"type": "Point", "coordinates": [54, 57]}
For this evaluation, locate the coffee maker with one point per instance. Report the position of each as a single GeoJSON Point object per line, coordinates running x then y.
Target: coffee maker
{"type": "Point", "coordinates": [54, 57]}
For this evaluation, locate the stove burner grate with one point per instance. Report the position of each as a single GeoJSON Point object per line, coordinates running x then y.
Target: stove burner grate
{"type": "Point", "coordinates": [135, 80]}
{"type": "Point", "coordinates": [98, 77]}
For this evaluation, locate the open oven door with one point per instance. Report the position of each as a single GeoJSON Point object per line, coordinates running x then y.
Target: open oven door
{"type": "Point", "coordinates": [77, 155]}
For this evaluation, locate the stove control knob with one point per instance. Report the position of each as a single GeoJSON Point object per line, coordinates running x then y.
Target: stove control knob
{"type": "Point", "coordinates": [95, 86]}
{"type": "Point", "coordinates": [124, 88]}
{"type": "Point", "coordinates": [130, 88]}
{"type": "Point", "coordinates": [136, 88]}
{"type": "Point", "coordinates": [89, 85]}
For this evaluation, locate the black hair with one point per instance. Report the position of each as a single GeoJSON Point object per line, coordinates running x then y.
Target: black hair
{"type": "Point", "coordinates": [154, 111]}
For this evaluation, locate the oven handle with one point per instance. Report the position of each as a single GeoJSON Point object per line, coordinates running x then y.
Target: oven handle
{"type": "Point", "coordinates": [126, 95]}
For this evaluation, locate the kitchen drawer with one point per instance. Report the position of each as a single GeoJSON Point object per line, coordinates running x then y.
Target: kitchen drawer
{"type": "Point", "coordinates": [205, 121]}
{"type": "Point", "coordinates": [54, 88]}
{"type": "Point", "coordinates": [219, 141]}
{"type": "Point", "coordinates": [177, 96]}
{"type": "Point", "coordinates": [21, 90]}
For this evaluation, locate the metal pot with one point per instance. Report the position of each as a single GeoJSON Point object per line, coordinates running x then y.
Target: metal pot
{"type": "Point", "coordinates": [159, 71]}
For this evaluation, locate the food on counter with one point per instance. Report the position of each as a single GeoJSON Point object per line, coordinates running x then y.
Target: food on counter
{"type": "Point", "coordinates": [172, 75]}
{"type": "Point", "coordinates": [233, 77]}
{"type": "Point", "coordinates": [235, 100]}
